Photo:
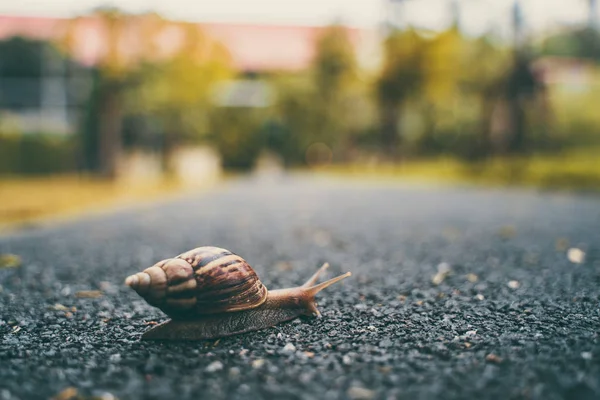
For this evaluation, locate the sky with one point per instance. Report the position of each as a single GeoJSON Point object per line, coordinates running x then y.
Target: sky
{"type": "Point", "coordinates": [477, 16]}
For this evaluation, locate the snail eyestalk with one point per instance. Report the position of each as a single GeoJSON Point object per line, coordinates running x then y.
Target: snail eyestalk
{"type": "Point", "coordinates": [313, 290]}
{"type": "Point", "coordinates": [313, 279]}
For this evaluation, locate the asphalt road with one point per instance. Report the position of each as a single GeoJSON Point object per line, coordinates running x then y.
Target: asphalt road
{"type": "Point", "coordinates": [512, 318]}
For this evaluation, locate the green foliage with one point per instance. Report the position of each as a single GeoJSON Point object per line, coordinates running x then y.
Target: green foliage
{"type": "Point", "coordinates": [403, 69]}
{"type": "Point", "coordinates": [335, 77]}
{"type": "Point", "coordinates": [296, 123]}
{"type": "Point", "coordinates": [21, 57]}
{"type": "Point", "coordinates": [238, 136]}
{"type": "Point", "coordinates": [177, 91]}
{"type": "Point", "coordinates": [37, 154]}
{"type": "Point", "coordinates": [320, 105]}
{"type": "Point", "coordinates": [335, 67]}
{"type": "Point", "coordinates": [584, 43]}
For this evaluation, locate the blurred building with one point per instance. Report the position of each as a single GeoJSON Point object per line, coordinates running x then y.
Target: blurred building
{"type": "Point", "coordinates": [255, 49]}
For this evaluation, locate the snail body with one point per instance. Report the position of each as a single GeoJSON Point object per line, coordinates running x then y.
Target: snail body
{"type": "Point", "coordinates": [210, 292]}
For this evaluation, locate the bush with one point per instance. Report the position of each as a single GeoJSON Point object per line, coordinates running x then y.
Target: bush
{"type": "Point", "coordinates": [37, 154]}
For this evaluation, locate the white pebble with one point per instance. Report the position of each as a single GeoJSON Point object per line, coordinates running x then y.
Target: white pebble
{"type": "Point", "coordinates": [289, 348]}
{"type": "Point", "coordinates": [214, 366]}
{"type": "Point", "coordinates": [443, 271]}
{"type": "Point", "coordinates": [586, 355]}
{"type": "Point", "coordinates": [256, 364]}
{"type": "Point", "coordinates": [576, 255]}
{"type": "Point", "coordinates": [359, 393]}
{"type": "Point", "coordinates": [444, 267]}
{"type": "Point", "coordinates": [479, 297]}
{"type": "Point", "coordinates": [514, 284]}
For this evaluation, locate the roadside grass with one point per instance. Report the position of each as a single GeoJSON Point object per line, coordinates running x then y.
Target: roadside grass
{"type": "Point", "coordinates": [26, 201]}
{"type": "Point", "coordinates": [572, 171]}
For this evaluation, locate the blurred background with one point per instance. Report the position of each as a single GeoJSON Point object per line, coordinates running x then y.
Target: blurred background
{"type": "Point", "coordinates": [137, 98]}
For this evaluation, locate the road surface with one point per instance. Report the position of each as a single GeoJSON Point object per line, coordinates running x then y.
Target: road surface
{"type": "Point", "coordinates": [456, 293]}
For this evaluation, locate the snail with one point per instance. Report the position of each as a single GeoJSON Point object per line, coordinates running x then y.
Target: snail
{"type": "Point", "coordinates": [210, 292]}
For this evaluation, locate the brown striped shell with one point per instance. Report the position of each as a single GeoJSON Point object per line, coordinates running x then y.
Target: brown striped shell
{"type": "Point", "coordinates": [205, 280]}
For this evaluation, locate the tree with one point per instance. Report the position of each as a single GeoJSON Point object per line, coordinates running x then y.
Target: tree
{"type": "Point", "coordinates": [581, 43]}
{"type": "Point", "coordinates": [401, 76]}
{"type": "Point", "coordinates": [125, 41]}
{"type": "Point", "coordinates": [335, 74]}
{"type": "Point", "coordinates": [177, 91]}
{"type": "Point", "coordinates": [108, 82]}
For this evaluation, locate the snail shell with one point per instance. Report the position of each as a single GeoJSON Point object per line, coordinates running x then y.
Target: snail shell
{"type": "Point", "coordinates": [205, 280]}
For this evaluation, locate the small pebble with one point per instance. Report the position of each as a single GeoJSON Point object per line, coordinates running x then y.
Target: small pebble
{"type": "Point", "coordinates": [106, 286]}
{"type": "Point", "coordinates": [586, 355]}
{"type": "Point", "coordinates": [214, 366]}
{"type": "Point", "coordinates": [289, 348]}
{"type": "Point", "coordinates": [104, 396]}
{"type": "Point", "coordinates": [67, 394]}
{"type": "Point", "coordinates": [472, 278]}
{"type": "Point", "coordinates": [360, 393]}
{"type": "Point", "coordinates": [243, 352]}
{"type": "Point", "coordinates": [443, 271]}
{"type": "Point", "coordinates": [493, 358]}
{"type": "Point", "coordinates": [58, 307]}
{"type": "Point", "coordinates": [514, 284]}
{"type": "Point", "coordinates": [256, 364]}
{"type": "Point", "coordinates": [234, 372]}
{"type": "Point", "coordinates": [576, 256]}
{"type": "Point", "coordinates": [479, 297]}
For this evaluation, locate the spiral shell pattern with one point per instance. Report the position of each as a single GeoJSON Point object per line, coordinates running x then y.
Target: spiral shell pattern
{"type": "Point", "coordinates": [205, 280]}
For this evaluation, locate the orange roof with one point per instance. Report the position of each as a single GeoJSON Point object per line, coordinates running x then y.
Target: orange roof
{"type": "Point", "coordinates": [252, 47]}
{"type": "Point", "coordinates": [33, 27]}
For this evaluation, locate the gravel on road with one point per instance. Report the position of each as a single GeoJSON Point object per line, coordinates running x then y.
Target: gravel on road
{"type": "Point", "coordinates": [456, 293]}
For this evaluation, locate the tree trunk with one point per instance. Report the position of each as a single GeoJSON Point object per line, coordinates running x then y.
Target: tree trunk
{"type": "Point", "coordinates": [517, 119]}
{"type": "Point", "coordinates": [109, 131]}
{"type": "Point", "coordinates": [487, 101]}
{"type": "Point", "coordinates": [390, 139]}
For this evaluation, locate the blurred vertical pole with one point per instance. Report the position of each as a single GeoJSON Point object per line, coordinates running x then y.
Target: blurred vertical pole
{"type": "Point", "coordinates": [593, 14]}
{"type": "Point", "coordinates": [516, 79]}
{"type": "Point", "coordinates": [518, 25]}
{"type": "Point", "coordinates": [388, 110]}
{"type": "Point", "coordinates": [455, 10]}
{"type": "Point", "coordinates": [53, 98]}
